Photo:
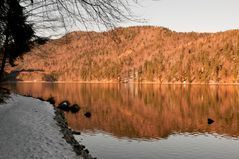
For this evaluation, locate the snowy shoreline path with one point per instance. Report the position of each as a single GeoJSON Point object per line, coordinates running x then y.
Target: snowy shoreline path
{"type": "Point", "coordinates": [28, 130]}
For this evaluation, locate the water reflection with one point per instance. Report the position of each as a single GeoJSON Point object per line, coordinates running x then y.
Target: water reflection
{"type": "Point", "coordinates": [145, 111]}
{"type": "Point", "coordinates": [177, 146]}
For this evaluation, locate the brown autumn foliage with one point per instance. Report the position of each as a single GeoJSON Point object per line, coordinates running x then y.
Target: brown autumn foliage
{"type": "Point", "coordinates": [136, 54]}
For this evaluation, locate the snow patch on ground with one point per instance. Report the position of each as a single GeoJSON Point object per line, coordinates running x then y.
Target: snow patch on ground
{"type": "Point", "coordinates": [28, 130]}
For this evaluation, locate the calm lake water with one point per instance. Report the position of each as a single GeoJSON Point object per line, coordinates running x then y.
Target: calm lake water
{"type": "Point", "coordinates": [149, 121]}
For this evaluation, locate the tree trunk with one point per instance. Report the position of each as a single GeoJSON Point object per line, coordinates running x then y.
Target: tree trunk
{"type": "Point", "coordinates": [4, 59]}
{"type": "Point", "coordinates": [3, 65]}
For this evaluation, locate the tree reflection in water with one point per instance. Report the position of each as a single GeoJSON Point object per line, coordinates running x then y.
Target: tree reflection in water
{"type": "Point", "coordinates": [145, 111]}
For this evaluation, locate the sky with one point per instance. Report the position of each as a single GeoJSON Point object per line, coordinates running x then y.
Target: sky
{"type": "Point", "coordinates": [176, 15]}
{"type": "Point", "coordinates": [189, 15]}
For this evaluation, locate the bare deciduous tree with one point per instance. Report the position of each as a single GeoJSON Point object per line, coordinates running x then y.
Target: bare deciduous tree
{"type": "Point", "coordinates": [65, 14]}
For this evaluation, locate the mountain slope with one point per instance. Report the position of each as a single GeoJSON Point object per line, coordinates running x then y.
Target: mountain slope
{"type": "Point", "coordinates": [135, 54]}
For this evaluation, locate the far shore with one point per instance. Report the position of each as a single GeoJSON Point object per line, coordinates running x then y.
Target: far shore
{"type": "Point", "coordinates": [117, 82]}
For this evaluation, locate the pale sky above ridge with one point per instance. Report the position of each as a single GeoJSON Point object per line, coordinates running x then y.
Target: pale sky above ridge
{"type": "Point", "coordinates": [189, 15]}
{"type": "Point", "coordinates": [179, 15]}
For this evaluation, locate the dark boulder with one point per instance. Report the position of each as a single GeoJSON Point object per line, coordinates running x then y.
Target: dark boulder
{"type": "Point", "coordinates": [87, 151]}
{"type": "Point", "coordinates": [74, 108]}
{"type": "Point", "coordinates": [51, 100]}
{"type": "Point", "coordinates": [75, 132]}
{"type": "Point", "coordinates": [87, 114]}
{"type": "Point", "coordinates": [210, 121]}
{"type": "Point", "coordinates": [65, 106]}
{"type": "Point", "coordinates": [40, 98]}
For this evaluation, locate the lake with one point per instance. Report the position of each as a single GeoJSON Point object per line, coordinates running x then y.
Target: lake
{"type": "Point", "coordinates": [132, 121]}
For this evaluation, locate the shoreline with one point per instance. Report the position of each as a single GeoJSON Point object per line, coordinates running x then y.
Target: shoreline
{"type": "Point", "coordinates": [67, 133]}
{"type": "Point", "coordinates": [28, 130]}
{"type": "Point", "coordinates": [31, 127]}
{"type": "Point", "coordinates": [123, 83]}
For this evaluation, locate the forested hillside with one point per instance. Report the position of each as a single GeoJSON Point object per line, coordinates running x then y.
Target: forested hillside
{"type": "Point", "coordinates": [135, 54]}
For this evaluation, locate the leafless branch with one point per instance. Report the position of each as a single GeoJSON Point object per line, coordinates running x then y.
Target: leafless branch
{"type": "Point", "coordinates": [78, 13]}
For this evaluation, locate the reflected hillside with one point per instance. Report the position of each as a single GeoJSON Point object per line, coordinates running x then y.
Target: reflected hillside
{"type": "Point", "coordinates": [145, 111]}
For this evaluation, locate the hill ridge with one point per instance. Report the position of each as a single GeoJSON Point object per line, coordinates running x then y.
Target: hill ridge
{"type": "Point", "coordinates": [136, 54]}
